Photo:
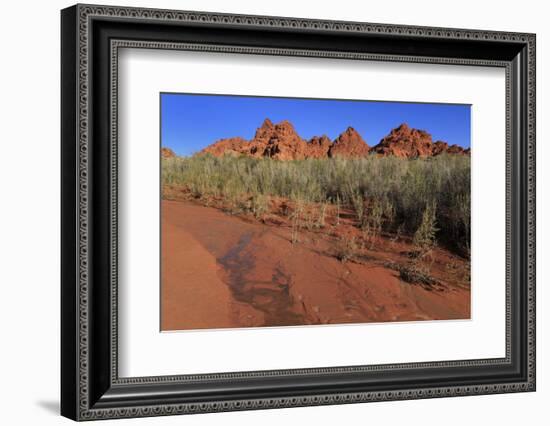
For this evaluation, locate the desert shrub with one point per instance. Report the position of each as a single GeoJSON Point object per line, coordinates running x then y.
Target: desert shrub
{"type": "Point", "coordinates": [425, 235]}
{"type": "Point", "coordinates": [346, 248]}
{"type": "Point", "coordinates": [376, 216]}
{"type": "Point", "coordinates": [383, 192]}
{"type": "Point", "coordinates": [296, 220]}
{"type": "Point", "coordinates": [358, 202]}
{"type": "Point", "coordinates": [412, 273]}
{"type": "Point", "coordinates": [321, 217]}
{"type": "Point", "coordinates": [338, 209]}
{"type": "Point", "coordinates": [259, 204]}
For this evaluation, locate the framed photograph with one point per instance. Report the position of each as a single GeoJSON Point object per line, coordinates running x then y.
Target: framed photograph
{"type": "Point", "coordinates": [263, 212]}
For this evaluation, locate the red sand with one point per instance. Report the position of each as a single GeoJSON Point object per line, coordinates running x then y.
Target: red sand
{"type": "Point", "coordinates": [222, 271]}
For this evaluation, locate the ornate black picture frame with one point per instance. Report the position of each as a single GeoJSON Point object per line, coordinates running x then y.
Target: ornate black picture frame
{"type": "Point", "coordinates": [91, 387]}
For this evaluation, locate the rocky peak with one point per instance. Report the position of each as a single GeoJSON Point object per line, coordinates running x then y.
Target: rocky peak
{"type": "Point", "coordinates": [320, 141]}
{"type": "Point", "coordinates": [280, 141]}
{"type": "Point", "coordinates": [228, 146]}
{"type": "Point", "coordinates": [283, 143]}
{"type": "Point", "coordinates": [439, 147]}
{"type": "Point", "coordinates": [349, 144]}
{"type": "Point", "coordinates": [319, 146]}
{"type": "Point", "coordinates": [268, 130]}
{"type": "Point", "coordinates": [404, 141]}
{"type": "Point", "coordinates": [402, 128]}
{"type": "Point", "coordinates": [166, 152]}
{"type": "Point", "coordinates": [265, 130]}
{"type": "Point", "coordinates": [457, 149]}
{"type": "Point", "coordinates": [267, 124]}
{"type": "Point", "coordinates": [285, 127]}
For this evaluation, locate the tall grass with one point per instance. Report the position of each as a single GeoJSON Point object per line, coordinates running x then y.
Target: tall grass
{"type": "Point", "coordinates": [386, 193]}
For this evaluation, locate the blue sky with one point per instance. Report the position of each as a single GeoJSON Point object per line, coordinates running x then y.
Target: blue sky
{"type": "Point", "coordinates": [190, 122]}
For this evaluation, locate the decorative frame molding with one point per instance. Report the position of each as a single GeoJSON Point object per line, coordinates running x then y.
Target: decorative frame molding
{"type": "Point", "coordinates": [91, 388]}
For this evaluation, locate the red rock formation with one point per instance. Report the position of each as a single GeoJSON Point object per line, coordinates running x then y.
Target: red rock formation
{"type": "Point", "coordinates": [280, 141]}
{"type": "Point", "coordinates": [166, 152]}
{"type": "Point", "coordinates": [229, 146]}
{"type": "Point", "coordinates": [439, 147]}
{"type": "Point", "coordinates": [349, 144]}
{"type": "Point", "coordinates": [456, 149]}
{"type": "Point", "coordinates": [319, 147]}
{"type": "Point", "coordinates": [406, 142]}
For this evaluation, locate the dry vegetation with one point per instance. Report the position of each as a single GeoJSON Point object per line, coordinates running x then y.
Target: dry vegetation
{"type": "Point", "coordinates": [427, 199]}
